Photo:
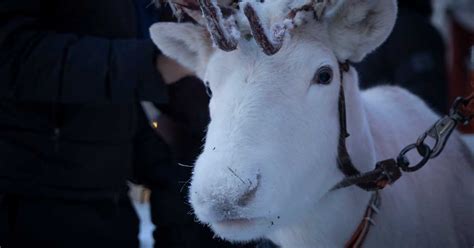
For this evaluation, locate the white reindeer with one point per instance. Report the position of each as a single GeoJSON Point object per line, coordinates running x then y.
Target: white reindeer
{"type": "Point", "coordinates": [271, 153]}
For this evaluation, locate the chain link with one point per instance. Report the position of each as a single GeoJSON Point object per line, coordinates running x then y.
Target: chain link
{"type": "Point", "coordinates": [440, 132]}
{"type": "Point", "coordinates": [388, 171]}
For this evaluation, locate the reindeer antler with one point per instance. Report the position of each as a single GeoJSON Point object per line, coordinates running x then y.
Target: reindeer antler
{"type": "Point", "coordinates": [223, 30]}
{"type": "Point", "coordinates": [271, 39]}
{"type": "Point", "coordinates": [270, 45]}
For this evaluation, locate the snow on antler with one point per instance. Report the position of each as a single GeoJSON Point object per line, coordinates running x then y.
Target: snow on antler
{"type": "Point", "coordinates": [219, 17]}
{"type": "Point", "coordinates": [224, 31]}
{"type": "Point", "coordinates": [191, 8]}
{"type": "Point", "coordinates": [271, 38]}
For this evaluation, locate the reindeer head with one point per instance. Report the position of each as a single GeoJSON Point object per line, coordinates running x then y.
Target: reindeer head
{"type": "Point", "coordinates": [272, 66]}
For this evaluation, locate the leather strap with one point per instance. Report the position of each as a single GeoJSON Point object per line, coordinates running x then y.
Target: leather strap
{"type": "Point", "coordinates": [351, 172]}
{"type": "Point", "coordinates": [344, 162]}
{"type": "Point", "coordinates": [362, 230]}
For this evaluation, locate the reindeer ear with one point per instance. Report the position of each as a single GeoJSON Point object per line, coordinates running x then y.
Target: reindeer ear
{"type": "Point", "coordinates": [357, 27]}
{"type": "Point", "coordinates": [187, 43]}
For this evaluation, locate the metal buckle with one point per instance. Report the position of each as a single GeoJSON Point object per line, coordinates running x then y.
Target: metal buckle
{"type": "Point", "coordinates": [391, 171]}
{"type": "Point", "coordinates": [440, 132]}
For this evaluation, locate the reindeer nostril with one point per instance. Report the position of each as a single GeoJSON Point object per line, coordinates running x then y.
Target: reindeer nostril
{"type": "Point", "coordinates": [248, 196]}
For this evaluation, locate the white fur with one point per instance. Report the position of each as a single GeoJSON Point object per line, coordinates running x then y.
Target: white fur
{"type": "Point", "coordinates": [275, 132]}
{"type": "Point", "coordinates": [360, 26]}
{"type": "Point", "coordinates": [190, 45]}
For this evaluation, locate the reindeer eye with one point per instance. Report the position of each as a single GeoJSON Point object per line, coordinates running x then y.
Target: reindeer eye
{"type": "Point", "coordinates": [323, 75]}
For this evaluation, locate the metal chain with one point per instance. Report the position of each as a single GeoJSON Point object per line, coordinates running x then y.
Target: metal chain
{"type": "Point", "coordinates": [388, 171]}
{"type": "Point", "coordinates": [440, 132]}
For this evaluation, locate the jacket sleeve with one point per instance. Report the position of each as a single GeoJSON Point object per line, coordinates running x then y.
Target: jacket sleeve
{"type": "Point", "coordinates": [40, 65]}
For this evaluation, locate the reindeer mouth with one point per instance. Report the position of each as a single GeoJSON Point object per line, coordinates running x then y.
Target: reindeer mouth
{"type": "Point", "coordinates": [242, 229]}
{"type": "Point", "coordinates": [238, 223]}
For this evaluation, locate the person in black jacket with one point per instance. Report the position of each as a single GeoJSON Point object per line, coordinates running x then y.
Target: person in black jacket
{"type": "Point", "coordinates": [413, 57]}
{"type": "Point", "coordinates": [72, 131]}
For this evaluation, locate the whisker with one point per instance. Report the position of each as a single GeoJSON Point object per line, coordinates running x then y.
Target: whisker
{"type": "Point", "coordinates": [185, 165]}
{"type": "Point", "coordinates": [184, 184]}
{"type": "Point", "coordinates": [235, 174]}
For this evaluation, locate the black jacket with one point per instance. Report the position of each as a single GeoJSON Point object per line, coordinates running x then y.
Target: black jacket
{"type": "Point", "coordinates": [71, 76]}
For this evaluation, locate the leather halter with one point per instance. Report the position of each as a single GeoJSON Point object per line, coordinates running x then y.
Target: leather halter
{"type": "Point", "coordinates": [344, 161]}
{"type": "Point", "coordinates": [349, 170]}
{"type": "Point", "coordinates": [358, 237]}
